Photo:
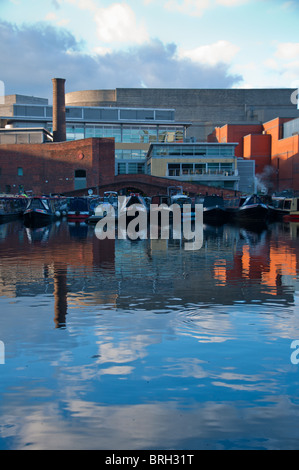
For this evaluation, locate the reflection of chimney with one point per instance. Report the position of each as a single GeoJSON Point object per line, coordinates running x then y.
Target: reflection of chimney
{"type": "Point", "coordinates": [60, 295]}
{"type": "Point", "coordinates": [59, 124]}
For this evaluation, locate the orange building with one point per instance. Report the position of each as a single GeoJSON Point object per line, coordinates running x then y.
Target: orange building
{"type": "Point", "coordinates": [273, 145]}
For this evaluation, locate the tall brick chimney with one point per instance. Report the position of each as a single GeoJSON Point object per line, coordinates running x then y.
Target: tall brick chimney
{"type": "Point", "coordinates": [59, 122]}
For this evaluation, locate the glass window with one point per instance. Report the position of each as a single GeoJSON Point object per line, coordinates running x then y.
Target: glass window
{"type": "Point", "coordinates": [79, 133]}
{"type": "Point", "coordinates": [34, 111]}
{"type": "Point", "coordinates": [89, 131]}
{"type": "Point", "coordinates": [136, 168]}
{"type": "Point", "coordinates": [128, 114]}
{"type": "Point", "coordinates": [213, 168]}
{"type": "Point", "coordinates": [145, 114]}
{"type": "Point", "coordinates": [213, 150]}
{"type": "Point", "coordinates": [109, 114]}
{"type": "Point", "coordinates": [174, 169]}
{"type": "Point", "coordinates": [164, 115]}
{"type": "Point", "coordinates": [73, 113]}
{"type": "Point", "coordinates": [176, 150]}
{"type": "Point", "coordinates": [226, 168]}
{"type": "Point", "coordinates": [90, 113]}
{"type": "Point", "coordinates": [20, 171]}
{"type": "Point", "coordinates": [49, 111]}
{"type": "Point", "coordinates": [226, 151]}
{"type": "Point", "coordinates": [187, 168]}
{"type": "Point", "coordinates": [121, 168]}
{"type": "Point", "coordinates": [200, 168]}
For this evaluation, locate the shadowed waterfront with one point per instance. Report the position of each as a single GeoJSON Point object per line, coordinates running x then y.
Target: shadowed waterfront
{"type": "Point", "coordinates": [120, 344]}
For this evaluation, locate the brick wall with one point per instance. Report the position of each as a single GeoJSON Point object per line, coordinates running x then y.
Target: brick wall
{"type": "Point", "coordinates": [50, 167]}
{"type": "Point", "coordinates": [152, 185]}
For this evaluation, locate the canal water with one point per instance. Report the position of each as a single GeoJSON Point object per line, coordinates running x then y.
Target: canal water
{"type": "Point", "coordinates": [120, 344]}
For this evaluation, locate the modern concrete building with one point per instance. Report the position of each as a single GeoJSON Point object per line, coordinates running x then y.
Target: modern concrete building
{"type": "Point", "coordinates": [202, 163]}
{"type": "Point", "coordinates": [205, 109]}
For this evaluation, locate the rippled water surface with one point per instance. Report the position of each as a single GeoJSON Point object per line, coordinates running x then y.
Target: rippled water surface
{"type": "Point", "coordinates": [144, 345]}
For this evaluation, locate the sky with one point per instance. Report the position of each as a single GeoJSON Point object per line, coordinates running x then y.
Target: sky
{"type": "Point", "coordinates": [101, 44]}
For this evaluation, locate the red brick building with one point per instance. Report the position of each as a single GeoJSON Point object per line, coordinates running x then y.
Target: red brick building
{"type": "Point", "coordinates": [276, 154]}
{"type": "Point", "coordinates": [56, 167]}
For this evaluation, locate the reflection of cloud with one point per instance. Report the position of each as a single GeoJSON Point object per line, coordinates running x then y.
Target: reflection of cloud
{"type": "Point", "coordinates": [146, 426]}
{"type": "Point", "coordinates": [117, 370]}
{"type": "Point", "coordinates": [123, 352]}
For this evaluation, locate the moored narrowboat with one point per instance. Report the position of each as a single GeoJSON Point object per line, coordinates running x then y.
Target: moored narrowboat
{"type": "Point", "coordinates": [12, 207]}
{"type": "Point", "coordinates": [292, 210]}
{"type": "Point", "coordinates": [43, 210]}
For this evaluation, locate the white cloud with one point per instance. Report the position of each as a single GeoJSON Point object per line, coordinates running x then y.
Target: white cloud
{"type": "Point", "coordinates": [212, 54]}
{"type": "Point", "coordinates": [287, 50]}
{"type": "Point", "coordinates": [118, 23]}
{"type": "Point", "coordinates": [115, 23]}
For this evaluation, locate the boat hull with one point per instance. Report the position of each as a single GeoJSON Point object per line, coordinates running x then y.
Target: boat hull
{"type": "Point", "coordinates": [35, 218]}
{"type": "Point", "coordinates": [78, 216]}
{"type": "Point", "coordinates": [215, 215]}
{"type": "Point", "coordinates": [291, 218]}
{"type": "Point", "coordinates": [256, 212]}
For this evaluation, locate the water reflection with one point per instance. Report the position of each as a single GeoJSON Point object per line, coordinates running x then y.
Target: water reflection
{"type": "Point", "coordinates": [122, 345]}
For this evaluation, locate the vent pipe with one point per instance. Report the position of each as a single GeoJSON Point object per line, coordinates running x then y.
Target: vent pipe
{"type": "Point", "coordinates": [59, 121]}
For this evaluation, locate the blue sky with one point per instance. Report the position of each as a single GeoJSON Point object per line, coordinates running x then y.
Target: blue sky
{"type": "Point", "coordinates": [149, 43]}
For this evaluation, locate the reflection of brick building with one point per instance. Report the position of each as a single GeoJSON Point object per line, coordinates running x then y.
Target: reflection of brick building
{"type": "Point", "coordinates": [56, 167]}
{"type": "Point", "coordinates": [273, 145]}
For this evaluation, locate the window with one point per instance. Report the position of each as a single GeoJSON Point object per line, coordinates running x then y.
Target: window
{"type": "Point", "coordinates": [20, 171]}
{"type": "Point", "coordinates": [136, 168]}
{"type": "Point", "coordinates": [80, 174]}
{"type": "Point", "coordinates": [174, 169]}
{"type": "Point", "coordinates": [80, 179]}
{"type": "Point", "coordinates": [226, 168]}
{"type": "Point", "coordinates": [121, 168]}
{"type": "Point", "coordinates": [200, 168]}
{"type": "Point", "coordinates": [187, 168]}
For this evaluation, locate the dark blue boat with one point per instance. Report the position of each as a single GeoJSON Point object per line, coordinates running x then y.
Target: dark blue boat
{"type": "Point", "coordinates": [44, 210]}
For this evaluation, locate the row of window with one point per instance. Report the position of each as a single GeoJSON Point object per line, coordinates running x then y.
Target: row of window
{"type": "Point", "coordinates": [126, 168]}
{"type": "Point", "coordinates": [97, 114]}
{"type": "Point", "coordinates": [185, 169]}
{"type": "Point", "coordinates": [134, 154]}
{"type": "Point", "coordinates": [193, 151]}
{"type": "Point", "coordinates": [127, 134]}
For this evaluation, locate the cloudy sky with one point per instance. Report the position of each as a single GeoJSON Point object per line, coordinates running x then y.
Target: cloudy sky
{"type": "Point", "coordinates": [98, 44]}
